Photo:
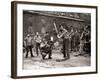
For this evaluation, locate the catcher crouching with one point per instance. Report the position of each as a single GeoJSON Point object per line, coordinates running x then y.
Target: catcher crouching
{"type": "Point", "coordinates": [46, 49]}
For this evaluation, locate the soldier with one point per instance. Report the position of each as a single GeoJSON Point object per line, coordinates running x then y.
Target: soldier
{"type": "Point", "coordinates": [72, 38]}
{"type": "Point", "coordinates": [87, 45]}
{"type": "Point", "coordinates": [65, 37]}
{"type": "Point", "coordinates": [37, 39]}
{"type": "Point", "coordinates": [29, 45]}
{"type": "Point", "coordinates": [77, 40]}
{"type": "Point", "coordinates": [82, 42]}
{"type": "Point", "coordinates": [49, 42]}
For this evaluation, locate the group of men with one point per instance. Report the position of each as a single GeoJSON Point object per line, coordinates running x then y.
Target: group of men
{"type": "Point", "coordinates": [72, 40]}
{"type": "Point", "coordinates": [75, 40]}
{"type": "Point", "coordinates": [42, 45]}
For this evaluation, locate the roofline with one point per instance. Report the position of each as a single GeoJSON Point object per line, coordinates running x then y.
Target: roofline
{"type": "Point", "coordinates": [50, 15]}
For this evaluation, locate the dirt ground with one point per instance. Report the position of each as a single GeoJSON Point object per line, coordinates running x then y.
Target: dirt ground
{"type": "Point", "coordinates": [38, 63]}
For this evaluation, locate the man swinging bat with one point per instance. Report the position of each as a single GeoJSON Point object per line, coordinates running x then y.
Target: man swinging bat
{"type": "Point", "coordinates": [65, 35]}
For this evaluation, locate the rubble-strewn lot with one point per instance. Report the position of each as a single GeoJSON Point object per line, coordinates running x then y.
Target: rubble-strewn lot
{"type": "Point", "coordinates": [38, 63]}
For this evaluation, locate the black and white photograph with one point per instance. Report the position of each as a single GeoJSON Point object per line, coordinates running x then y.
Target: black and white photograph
{"type": "Point", "coordinates": [54, 39]}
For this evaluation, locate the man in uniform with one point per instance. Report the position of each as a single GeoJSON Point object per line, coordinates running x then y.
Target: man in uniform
{"type": "Point", "coordinates": [37, 39]}
{"type": "Point", "coordinates": [49, 42]}
{"type": "Point", "coordinates": [65, 36]}
{"type": "Point", "coordinates": [77, 40]}
{"type": "Point", "coordinates": [29, 45]}
{"type": "Point", "coordinates": [83, 40]}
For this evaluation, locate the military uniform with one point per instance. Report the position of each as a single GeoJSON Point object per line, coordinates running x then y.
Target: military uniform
{"type": "Point", "coordinates": [37, 39]}
{"type": "Point", "coordinates": [29, 45]}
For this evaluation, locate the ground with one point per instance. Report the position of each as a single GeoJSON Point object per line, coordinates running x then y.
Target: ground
{"type": "Point", "coordinates": [38, 63]}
